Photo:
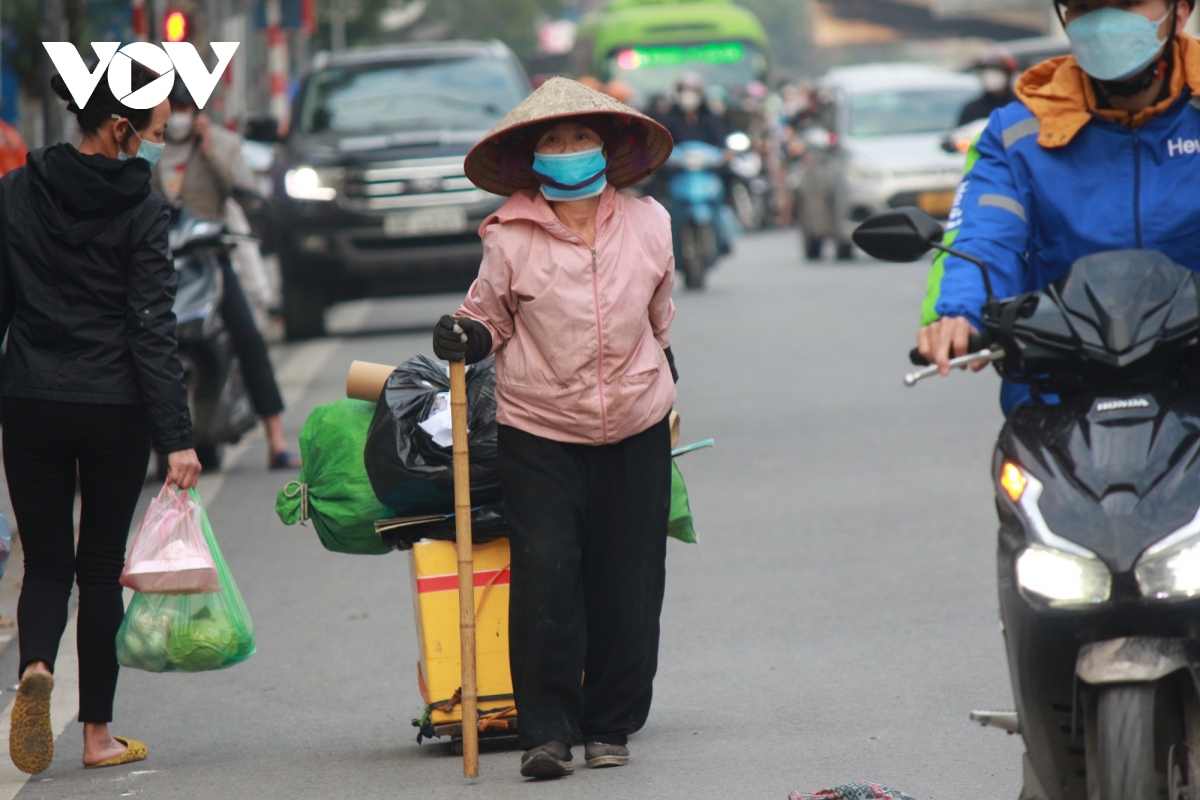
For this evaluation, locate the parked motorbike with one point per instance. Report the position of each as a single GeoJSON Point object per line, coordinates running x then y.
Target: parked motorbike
{"type": "Point", "coordinates": [1097, 487]}
{"type": "Point", "coordinates": [702, 225]}
{"type": "Point", "coordinates": [220, 405]}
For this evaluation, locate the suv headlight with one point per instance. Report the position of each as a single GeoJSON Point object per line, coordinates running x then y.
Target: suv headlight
{"type": "Point", "coordinates": [1064, 574]}
{"type": "Point", "coordinates": [311, 183]}
{"type": "Point", "coordinates": [1170, 569]}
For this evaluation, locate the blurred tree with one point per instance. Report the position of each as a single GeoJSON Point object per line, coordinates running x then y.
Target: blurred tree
{"type": "Point", "coordinates": [23, 41]}
{"type": "Point", "coordinates": [790, 27]}
{"type": "Point", "coordinates": [514, 22]}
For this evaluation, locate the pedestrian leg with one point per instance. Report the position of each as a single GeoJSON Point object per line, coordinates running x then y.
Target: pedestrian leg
{"type": "Point", "coordinates": [40, 464]}
{"type": "Point", "coordinates": [624, 566]}
{"type": "Point", "coordinates": [112, 472]}
{"type": "Point", "coordinates": [544, 503]}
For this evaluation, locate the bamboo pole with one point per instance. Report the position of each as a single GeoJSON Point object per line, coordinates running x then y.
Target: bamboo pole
{"type": "Point", "coordinates": [466, 567]}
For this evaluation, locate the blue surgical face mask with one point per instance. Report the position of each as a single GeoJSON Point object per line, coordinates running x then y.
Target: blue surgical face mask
{"type": "Point", "coordinates": [1112, 45]}
{"type": "Point", "coordinates": [583, 166]}
{"type": "Point", "coordinates": [150, 151]}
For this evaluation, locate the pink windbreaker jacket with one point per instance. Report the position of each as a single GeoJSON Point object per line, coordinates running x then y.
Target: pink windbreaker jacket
{"type": "Point", "coordinates": [579, 332]}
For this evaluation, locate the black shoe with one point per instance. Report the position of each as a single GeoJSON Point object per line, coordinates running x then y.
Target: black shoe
{"type": "Point", "coordinates": [550, 760]}
{"type": "Point", "coordinates": [598, 754]}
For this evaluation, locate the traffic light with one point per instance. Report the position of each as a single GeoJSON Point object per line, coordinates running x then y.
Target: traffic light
{"type": "Point", "coordinates": [175, 27]}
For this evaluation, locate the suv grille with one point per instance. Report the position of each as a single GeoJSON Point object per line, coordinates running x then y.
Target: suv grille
{"type": "Point", "coordinates": [411, 183]}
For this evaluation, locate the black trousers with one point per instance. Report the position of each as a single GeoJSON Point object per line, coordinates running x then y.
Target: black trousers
{"type": "Point", "coordinates": [588, 528]}
{"type": "Point", "coordinates": [47, 448]}
{"type": "Point", "coordinates": [250, 346]}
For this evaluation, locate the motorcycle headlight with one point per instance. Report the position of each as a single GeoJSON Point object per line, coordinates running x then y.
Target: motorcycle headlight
{"type": "Point", "coordinates": [738, 142]}
{"type": "Point", "coordinates": [1063, 579]}
{"type": "Point", "coordinates": [310, 183]}
{"type": "Point", "coordinates": [1170, 569]}
{"type": "Point", "coordinates": [1064, 574]}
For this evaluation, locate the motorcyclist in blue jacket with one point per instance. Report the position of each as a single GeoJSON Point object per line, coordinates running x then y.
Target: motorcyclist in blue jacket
{"type": "Point", "coordinates": [1101, 152]}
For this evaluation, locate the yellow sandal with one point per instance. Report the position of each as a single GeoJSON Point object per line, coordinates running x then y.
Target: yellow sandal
{"type": "Point", "coordinates": [30, 735]}
{"type": "Point", "coordinates": [134, 751]}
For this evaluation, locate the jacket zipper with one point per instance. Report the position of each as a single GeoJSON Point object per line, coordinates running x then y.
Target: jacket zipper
{"type": "Point", "coordinates": [1137, 189]}
{"type": "Point", "coordinates": [599, 352]}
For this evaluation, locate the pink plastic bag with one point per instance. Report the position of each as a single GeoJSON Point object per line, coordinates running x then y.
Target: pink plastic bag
{"type": "Point", "coordinates": [169, 553]}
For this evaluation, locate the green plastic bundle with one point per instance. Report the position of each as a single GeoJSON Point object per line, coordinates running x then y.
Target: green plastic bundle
{"type": "Point", "coordinates": [333, 489]}
{"type": "Point", "coordinates": [188, 633]}
{"type": "Point", "coordinates": [679, 525]}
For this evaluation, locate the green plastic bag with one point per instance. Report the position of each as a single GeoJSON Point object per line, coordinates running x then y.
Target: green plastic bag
{"type": "Point", "coordinates": [333, 489]}
{"type": "Point", "coordinates": [679, 525]}
{"type": "Point", "coordinates": [188, 633]}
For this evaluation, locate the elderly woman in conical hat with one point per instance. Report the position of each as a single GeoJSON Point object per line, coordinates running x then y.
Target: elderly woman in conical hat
{"type": "Point", "coordinates": [574, 298]}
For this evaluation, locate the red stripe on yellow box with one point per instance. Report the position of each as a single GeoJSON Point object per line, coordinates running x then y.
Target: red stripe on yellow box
{"type": "Point", "coordinates": [449, 583]}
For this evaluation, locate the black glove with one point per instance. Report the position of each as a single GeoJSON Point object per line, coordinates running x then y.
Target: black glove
{"type": "Point", "coordinates": [461, 339]}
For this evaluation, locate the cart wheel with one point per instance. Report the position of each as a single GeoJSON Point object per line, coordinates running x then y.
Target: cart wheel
{"type": "Point", "coordinates": [456, 745]}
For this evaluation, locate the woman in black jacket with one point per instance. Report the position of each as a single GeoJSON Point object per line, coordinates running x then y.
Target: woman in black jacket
{"type": "Point", "coordinates": [92, 378]}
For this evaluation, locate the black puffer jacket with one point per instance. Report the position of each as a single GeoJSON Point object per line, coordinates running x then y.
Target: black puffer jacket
{"type": "Point", "coordinates": [87, 289]}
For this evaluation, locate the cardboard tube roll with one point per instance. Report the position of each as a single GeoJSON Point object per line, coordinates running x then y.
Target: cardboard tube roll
{"type": "Point", "coordinates": [365, 381]}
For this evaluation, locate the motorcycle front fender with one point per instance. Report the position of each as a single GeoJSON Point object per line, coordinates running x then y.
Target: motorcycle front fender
{"type": "Point", "coordinates": [1132, 659]}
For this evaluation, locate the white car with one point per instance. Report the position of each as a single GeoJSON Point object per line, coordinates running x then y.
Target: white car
{"type": "Point", "coordinates": [881, 147]}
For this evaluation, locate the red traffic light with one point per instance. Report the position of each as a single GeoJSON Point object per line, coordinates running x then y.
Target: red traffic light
{"type": "Point", "coordinates": [175, 28]}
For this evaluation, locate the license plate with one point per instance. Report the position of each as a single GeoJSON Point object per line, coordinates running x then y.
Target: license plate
{"type": "Point", "coordinates": [937, 204]}
{"type": "Point", "coordinates": [426, 222]}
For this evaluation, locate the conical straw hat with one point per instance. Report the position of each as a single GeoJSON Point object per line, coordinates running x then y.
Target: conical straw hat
{"type": "Point", "coordinates": [500, 162]}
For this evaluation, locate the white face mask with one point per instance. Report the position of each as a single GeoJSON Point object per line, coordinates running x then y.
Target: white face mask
{"type": "Point", "coordinates": [994, 80]}
{"type": "Point", "coordinates": [689, 100]}
{"type": "Point", "coordinates": [179, 125]}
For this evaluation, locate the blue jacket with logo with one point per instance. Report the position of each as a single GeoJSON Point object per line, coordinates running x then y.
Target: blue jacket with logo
{"type": "Point", "coordinates": [1029, 211]}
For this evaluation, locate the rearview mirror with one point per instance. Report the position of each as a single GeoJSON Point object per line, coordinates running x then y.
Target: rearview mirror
{"type": "Point", "coordinates": [904, 234]}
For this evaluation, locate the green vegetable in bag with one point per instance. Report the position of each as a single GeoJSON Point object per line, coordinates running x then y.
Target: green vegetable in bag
{"type": "Point", "coordinates": [188, 633]}
{"type": "Point", "coordinates": [202, 644]}
{"type": "Point", "coordinates": [333, 489]}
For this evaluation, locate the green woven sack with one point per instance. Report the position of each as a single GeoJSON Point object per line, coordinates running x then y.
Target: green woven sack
{"type": "Point", "coordinates": [188, 633]}
{"type": "Point", "coordinates": [333, 489]}
{"type": "Point", "coordinates": [680, 524]}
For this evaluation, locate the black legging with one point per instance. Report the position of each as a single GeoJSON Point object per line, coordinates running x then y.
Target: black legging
{"type": "Point", "coordinates": [47, 446]}
{"type": "Point", "coordinates": [250, 346]}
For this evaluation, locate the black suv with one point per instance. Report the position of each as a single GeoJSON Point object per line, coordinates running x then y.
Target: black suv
{"type": "Point", "coordinates": [371, 198]}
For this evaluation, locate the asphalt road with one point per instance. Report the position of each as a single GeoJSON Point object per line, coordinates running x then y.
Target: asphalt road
{"type": "Point", "coordinates": [837, 623]}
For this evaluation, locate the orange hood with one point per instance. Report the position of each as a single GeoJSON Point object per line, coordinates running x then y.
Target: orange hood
{"type": "Point", "coordinates": [1060, 94]}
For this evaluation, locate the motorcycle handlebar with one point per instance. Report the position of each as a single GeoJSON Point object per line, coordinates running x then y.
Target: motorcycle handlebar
{"type": "Point", "coordinates": [976, 343]}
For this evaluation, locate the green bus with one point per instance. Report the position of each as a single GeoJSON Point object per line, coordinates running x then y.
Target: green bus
{"type": "Point", "coordinates": [648, 44]}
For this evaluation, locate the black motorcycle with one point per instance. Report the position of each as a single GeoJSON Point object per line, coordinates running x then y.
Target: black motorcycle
{"type": "Point", "coordinates": [1098, 491]}
{"type": "Point", "coordinates": [221, 408]}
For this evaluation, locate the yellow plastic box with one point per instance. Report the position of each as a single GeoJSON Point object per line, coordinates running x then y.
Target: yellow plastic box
{"type": "Point", "coordinates": [434, 569]}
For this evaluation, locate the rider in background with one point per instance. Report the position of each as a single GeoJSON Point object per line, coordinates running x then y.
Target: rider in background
{"type": "Point", "coordinates": [199, 170]}
{"type": "Point", "coordinates": [691, 119]}
{"type": "Point", "coordinates": [996, 71]}
{"type": "Point", "coordinates": [1102, 152]}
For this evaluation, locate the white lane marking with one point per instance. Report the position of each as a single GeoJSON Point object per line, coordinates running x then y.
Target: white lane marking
{"type": "Point", "coordinates": [294, 377]}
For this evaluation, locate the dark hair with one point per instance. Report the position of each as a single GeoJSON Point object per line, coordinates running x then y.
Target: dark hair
{"type": "Point", "coordinates": [103, 103]}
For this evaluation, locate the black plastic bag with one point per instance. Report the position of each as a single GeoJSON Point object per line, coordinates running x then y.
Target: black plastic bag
{"type": "Point", "coordinates": [409, 472]}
